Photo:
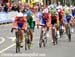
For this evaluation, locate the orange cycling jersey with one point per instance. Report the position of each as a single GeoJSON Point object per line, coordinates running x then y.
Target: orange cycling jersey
{"type": "Point", "coordinates": [54, 19]}
{"type": "Point", "coordinates": [20, 23]}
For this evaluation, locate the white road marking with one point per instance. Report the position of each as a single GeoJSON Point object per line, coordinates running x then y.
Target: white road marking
{"type": "Point", "coordinates": [12, 38]}
{"type": "Point", "coordinates": [2, 40]}
{"type": "Point", "coordinates": [7, 48]}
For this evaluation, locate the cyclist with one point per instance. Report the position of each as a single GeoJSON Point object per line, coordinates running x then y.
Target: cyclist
{"type": "Point", "coordinates": [68, 18]}
{"type": "Point", "coordinates": [61, 15]}
{"type": "Point", "coordinates": [20, 23]}
{"type": "Point", "coordinates": [30, 23]}
{"type": "Point", "coordinates": [44, 20]}
{"type": "Point", "coordinates": [61, 20]}
{"type": "Point", "coordinates": [54, 20]}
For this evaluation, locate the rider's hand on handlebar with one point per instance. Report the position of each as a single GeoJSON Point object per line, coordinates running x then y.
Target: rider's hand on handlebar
{"type": "Point", "coordinates": [12, 30]}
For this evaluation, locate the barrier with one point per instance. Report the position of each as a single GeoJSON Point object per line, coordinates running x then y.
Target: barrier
{"type": "Point", "coordinates": [7, 17]}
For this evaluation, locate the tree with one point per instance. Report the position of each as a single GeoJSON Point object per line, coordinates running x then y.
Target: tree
{"type": "Point", "coordinates": [73, 2]}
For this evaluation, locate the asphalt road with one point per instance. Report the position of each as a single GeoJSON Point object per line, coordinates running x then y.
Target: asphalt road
{"type": "Point", "coordinates": [7, 45]}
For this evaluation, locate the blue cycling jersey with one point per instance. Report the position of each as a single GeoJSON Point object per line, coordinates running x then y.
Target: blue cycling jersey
{"type": "Point", "coordinates": [73, 12]}
{"type": "Point", "coordinates": [44, 21]}
{"type": "Point", "coordinates": [68, 18]}
{"type": "Point", "coordinates": [20, 25]}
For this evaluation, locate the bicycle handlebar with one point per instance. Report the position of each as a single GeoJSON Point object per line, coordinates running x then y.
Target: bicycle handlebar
{"type": "Point", "coordinates": [43, 25]}
{"type": "Point", "coordinates": [18, 29]}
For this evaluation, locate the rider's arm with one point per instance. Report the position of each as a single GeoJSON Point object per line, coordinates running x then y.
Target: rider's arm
{"type": "Point", "coordinates": [14, 24]}
{"type": "Point", "coordinates": [49, 19]}
{"type": "Point", "coordinates": [25, 23]}
{"type": "Point", "coordinates": [57, 20]}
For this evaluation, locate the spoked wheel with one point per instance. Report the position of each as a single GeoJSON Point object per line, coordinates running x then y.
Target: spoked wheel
{"type": "Point", "coordinates": [56, 40]}
{"type": "Point", "coordinates": [28, 46]}
{"type": "Point", "coordinates": [29, 43]}
{"type": "Point", "coordinates": [25, 45]}
{"type": "Point", "coordinates": [54, 37]}
{"type": "Point", "coordinates": [45, 42]}
{"type": "Point", "coordinates": [40, 43]}
{"type": "Point", "coordinates": [69, 37]}
{"type": "Point", "coordinates": [17, 47]}
{"type": "Point", "coordinates": [61, 32]}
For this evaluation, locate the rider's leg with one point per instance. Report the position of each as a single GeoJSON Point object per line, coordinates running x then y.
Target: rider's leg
{"type": "Point", "coordinates": [71, 24]}
{"type": "Point", "coordinates": [41, 33]}
{"type": "Point", "coordinates": [31, 35]}
{"type": "Point", "coordinates": [22, 38]}
{"type": "Point", "coordinates": [58, 31]}
{"type": "Point", "coordinates": [66, 27]}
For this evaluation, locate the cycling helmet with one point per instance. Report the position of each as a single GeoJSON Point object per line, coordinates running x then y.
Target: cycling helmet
{"type": "Point", "coordinates": [52, 11]}
{"type": "Point", "coordinates": [20, 14]}
{"type": "Point", "coordinates": [67, 12]}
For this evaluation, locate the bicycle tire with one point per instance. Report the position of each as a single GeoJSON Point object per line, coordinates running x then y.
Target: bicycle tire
{"type": "Point", "coordinates": [54, 36]}
{"type": "Point", "coordinates": [69, 34]}
{"type": "Point", "coordinates": [18, 41]}
{"type": "Point", "coordinates": [17, 48]}
{"type": "Point", "coordinates": [45, 42]}
{"type": "Point", "coordinates": [27, 41]}
{"type": "Point", "coordinates": [40, 43]}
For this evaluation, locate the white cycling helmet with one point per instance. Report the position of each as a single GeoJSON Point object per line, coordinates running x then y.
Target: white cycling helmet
{"type": "Point", "coordinates": [20, 14]}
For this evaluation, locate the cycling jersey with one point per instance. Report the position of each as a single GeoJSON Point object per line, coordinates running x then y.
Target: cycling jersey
{"type": "Point", "coordinates": [46, 18]}
{"type": "Point", "coordinates": [68, 18]}
{"type": "Point", "coordinates": [30, 22]}
{"type": "Point", "coordinates": [20, 23]}
{"type": "Point", "coordinates": [73, 12]}
{"type": "Point", "coordinates": [53, 20]}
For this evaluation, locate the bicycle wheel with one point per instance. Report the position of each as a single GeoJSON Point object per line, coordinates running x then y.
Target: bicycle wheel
{"type": "Point", "coordinates": [69, 35]}
{"type": "Point", "coordinates": [41, 40]}
{"type": "Point", "coordinates": [17, 45]}
{"type": "Point", "coordinates": [40, 43]}
{"type": "Point", "coordinates": [18, 41]}
{"type": "Point", "coordinates": [61, 32]}
{"type": "Point", "coordinates": [45, 42]}
{"type": "Point", "coordinates": [54, 36]}
{"type": "Point", "coordinates": [28, 46]}
{"type": "Point", "coordinates": [27, 41]}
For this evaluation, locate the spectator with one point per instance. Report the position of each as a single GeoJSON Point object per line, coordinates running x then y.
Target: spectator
{"type": "Point", "coordinates": [5, 8]}
{"type": "Point", "coordinates": [15, 7]}
{"type": "Point", "coordinates": [0, 7]}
